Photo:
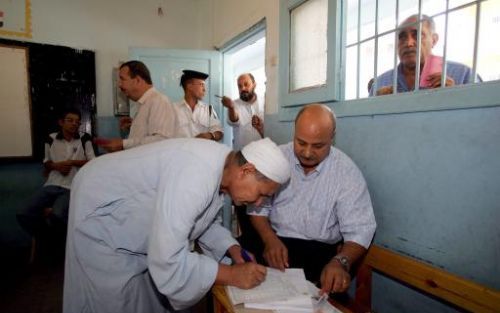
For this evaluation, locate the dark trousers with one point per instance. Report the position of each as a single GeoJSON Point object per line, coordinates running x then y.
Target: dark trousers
{"type": "Point", "coordinates": [32, 218]}
{"type": "Point", "coordinates": [48, 228]}
{"type": "Point", "coordinates": [310, 255]}
{"type": "Point", "coordinates": [249, 238]}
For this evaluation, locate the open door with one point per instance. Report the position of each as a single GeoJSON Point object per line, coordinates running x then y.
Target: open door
{"type": "Point", "coordinates": [166, 67]}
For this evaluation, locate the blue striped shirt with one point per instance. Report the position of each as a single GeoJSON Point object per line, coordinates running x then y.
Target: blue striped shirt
{"type": "Point", "coordinates": [460, 73]}
{"type": "Point", "coordinates": [329, 204]}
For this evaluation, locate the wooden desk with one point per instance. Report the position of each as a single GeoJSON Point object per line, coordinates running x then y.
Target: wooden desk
{"type": "Point", "coordinates": [223, 305]}
{"type": "Point", "coordinates": [434, 281]}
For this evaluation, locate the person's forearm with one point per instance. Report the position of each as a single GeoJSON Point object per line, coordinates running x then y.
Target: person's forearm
{"type": "Point", "coordinates": [133, 142]}
{"type": "Point", "coordinates": [224, 275]}
{"type": "Point", "coordinates": [78, 163]}
{"type": "Point", "coordinates": [261, 132]}
{"type": "Point", "coordinates": [49, 166]}
{"type": "Point", "coordinates": [233, 115]}
{"type": "Point", "coordinates": [352, 251]}
{"type": "Point", "coordinates": [263, 227]}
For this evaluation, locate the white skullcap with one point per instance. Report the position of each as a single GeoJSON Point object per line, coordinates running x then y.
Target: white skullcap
{"type": "Point", "coordinates": [268, 159]}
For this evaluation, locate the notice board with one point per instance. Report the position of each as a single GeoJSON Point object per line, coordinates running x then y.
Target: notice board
{"type": "Point", "coordinates": [15, 103]}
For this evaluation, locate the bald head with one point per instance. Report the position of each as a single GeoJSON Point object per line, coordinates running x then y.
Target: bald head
{"type": "Point", "coordinates": [317, 115]}
{"type": "Point", "coordinates": [315, 128]}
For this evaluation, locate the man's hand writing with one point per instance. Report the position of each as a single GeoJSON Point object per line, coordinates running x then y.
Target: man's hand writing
{"type": "Point", "coordinates": [248, 275]}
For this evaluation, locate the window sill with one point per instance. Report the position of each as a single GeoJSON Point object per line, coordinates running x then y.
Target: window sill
{"type": "Point", "coordinates": [485, 94]}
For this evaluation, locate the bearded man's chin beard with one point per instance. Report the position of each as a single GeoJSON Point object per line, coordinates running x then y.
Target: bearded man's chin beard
{"type": "Point", "coordinates": [246, 96]}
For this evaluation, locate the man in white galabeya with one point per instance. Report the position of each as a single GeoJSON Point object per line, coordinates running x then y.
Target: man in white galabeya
{"type": "Point", "coordinates": [134, 216]}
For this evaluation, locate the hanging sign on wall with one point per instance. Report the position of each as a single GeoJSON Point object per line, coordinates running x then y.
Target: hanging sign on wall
{"type": "Point", "coordinates": [15, 18]}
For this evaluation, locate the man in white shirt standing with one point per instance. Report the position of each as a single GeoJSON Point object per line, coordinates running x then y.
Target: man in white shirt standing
{"type": "Point", "coordinates": [244, 114]}
{"type": "Point", "coordinates": [195, 118]}
{"type": "Point", "coordinates": [155, 118]}
{"type": "Point", "coordinates": [246, 118]}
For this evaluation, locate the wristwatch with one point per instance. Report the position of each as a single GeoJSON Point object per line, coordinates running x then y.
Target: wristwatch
{"type": "Point", "coordinates": [344, 262]}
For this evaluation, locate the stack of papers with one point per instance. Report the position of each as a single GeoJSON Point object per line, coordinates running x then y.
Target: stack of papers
{"type": "Point", "coordinates": [283, 292]}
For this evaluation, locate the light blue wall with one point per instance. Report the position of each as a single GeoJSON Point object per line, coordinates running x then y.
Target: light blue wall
{"type": "Point", "coordinates": [108, 127]}
{"type": "Point", "coordinates": [18, 181]}
{"type": "Point", "coordinates": [434, 178]}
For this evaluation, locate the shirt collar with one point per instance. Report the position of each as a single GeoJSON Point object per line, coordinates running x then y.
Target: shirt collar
{"type": "Point", "coordinates": [318, 168]}
{"type": "Point", "coordinates": [60, 135]}
{"type": "Point", "coordinates": [186, 105]}
{"type": "Point", "coordinates": [146, 95]}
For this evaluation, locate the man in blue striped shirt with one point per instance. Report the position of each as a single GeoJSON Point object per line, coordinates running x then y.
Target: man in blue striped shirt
{"type": "Point", "coordinates": [456, 73]}
{"type": "Point", "coordinates": [322, 220]}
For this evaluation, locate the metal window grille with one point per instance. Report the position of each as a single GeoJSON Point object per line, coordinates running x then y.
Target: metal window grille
{"type": "Point", "coordinates": [359, 41]}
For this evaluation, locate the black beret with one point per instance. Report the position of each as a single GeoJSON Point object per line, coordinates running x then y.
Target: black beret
{"type": "Point", "coordinates": [189, 74]}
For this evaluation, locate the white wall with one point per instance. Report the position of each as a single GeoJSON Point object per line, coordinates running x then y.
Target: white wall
{"type": "Point", "coordinates": [110, 27]}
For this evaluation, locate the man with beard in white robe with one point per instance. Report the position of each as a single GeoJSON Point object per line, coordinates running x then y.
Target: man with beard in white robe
{"type": "Point", "coordinates": [134, 216]}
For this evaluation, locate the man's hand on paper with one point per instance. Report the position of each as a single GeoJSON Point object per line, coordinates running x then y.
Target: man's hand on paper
{"type": "Point", "coordinates": [247, 275]}
{"type": "Point", "coordinates": [334, 278]}
{"type": "Point", "coordinates": [276, 254]}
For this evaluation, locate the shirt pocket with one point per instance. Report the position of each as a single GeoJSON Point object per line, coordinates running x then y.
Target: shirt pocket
{"type": "Point", "coordinates": [317, 222]}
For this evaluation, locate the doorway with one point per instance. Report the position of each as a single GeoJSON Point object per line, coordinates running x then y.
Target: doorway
{"type": "Point", "coordinates": [245, 54]}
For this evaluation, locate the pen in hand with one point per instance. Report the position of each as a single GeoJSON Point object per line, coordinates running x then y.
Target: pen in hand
{"type": "Point", "coordinates": [245, 255]}
{"type": "Point", "coordinates": [217, 96]}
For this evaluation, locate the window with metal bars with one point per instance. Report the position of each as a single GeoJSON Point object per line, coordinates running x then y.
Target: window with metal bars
{"type": "Point", "coordinates": [386, 39]}
{"type": "Point", "coordinates": [346, 52]}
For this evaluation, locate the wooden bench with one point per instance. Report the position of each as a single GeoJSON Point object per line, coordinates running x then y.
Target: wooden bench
{"type": "Point", "coordinates": [453, 289]}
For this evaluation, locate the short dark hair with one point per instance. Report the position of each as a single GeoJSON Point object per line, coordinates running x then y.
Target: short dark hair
{"type": "Point", "coordinates": [70, 111]}
{"type": "Point", "coordinates": [137, 68]}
